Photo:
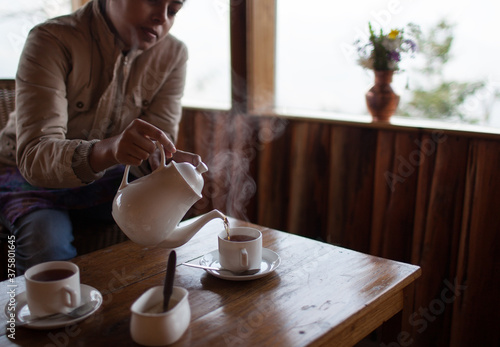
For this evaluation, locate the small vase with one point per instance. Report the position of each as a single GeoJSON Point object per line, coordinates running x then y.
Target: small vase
{"type": "Point", "coordinates": [381, 99]}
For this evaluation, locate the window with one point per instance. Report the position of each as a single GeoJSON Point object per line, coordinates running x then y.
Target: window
{"type": "Point", "coordinates": [204, 27]}
{"type": "Point", "coordinates": [316, 66]}
{"type": "Point", "coordinates": [16, 20]}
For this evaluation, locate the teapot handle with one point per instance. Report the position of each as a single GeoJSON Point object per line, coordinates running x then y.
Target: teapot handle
{"type": "Point", "coordinates": [202, 167]}
{"type": "Point", "coordinates": [124, 182]}
{"type": "Point", "coordinates": [162, 153]}
{"type": "Point", "coordinates": [125, 178]}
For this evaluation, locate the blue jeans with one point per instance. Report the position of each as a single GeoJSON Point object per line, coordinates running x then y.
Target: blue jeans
{"type": "Point", "coordinates": [47, 234]}
{"type": "Point", "coordinates": [43, 226]}
{"type": "Point", "coordinates": [40, 236]}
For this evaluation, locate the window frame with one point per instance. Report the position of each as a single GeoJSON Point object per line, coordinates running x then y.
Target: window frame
{"type": "Point", "coordinates": [78, 3]}
{"type": "Point", "coordinates": [253, 55]}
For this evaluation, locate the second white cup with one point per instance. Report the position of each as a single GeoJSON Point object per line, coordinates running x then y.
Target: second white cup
{"type": "Point", "coordinates": [243, 251]}
{"type": "Point", "coordinates": [52, 287]}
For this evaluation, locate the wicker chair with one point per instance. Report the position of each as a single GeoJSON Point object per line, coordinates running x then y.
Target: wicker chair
{"type": "Point", "coordinates": [88, 236]}
{"type": "Point", "coordinates": [7, 98]}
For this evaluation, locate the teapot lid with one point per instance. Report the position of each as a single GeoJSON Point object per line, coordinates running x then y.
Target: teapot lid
{"type": "Point", "coordinates": [192, 175]}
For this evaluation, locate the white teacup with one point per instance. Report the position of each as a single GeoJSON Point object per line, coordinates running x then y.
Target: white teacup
{"type": "Point", "coordinates": [243, 251]}
{"type": "Point", "coordinates": [150, 326]}
{"type": "Point", "coordinates": [52, 287]}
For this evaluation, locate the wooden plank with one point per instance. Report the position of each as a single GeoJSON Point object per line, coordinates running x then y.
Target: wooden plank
{"type": "Point", "coordinates": [306, 198]}
{"type": "Point", "coordinates": [242, 166]}
{"type": "Point", "coordinates": [261, 49]}
{"type": "Point", "coordinates": [350, 193]}
{"type": "Point", "coordinates": [219, 136]}
{"type": "Point", "coordinates": [476, 308]}
{"type": "Point", "coordinates": [273, 174]}
{"type": "Point", "coordinates": [76, 4]}
{"type": "Point", "coordinates": [239, 55]}
{"type": "Point", "coordinates": [437, 229]}
{"type": "Point", "coordinates": [395, 178]}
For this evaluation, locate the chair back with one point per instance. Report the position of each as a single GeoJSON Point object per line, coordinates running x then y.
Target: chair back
{"type": "Point", "coordinates": [7, 99]}
{"type": "Point", "coordinates": [7, 103]}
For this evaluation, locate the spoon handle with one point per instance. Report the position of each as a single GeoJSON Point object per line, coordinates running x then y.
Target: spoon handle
{"type": "Point", "coordinates": [169, 279]}
{"type": "Point", "coordinates": [80, 311]}
{"type": "Point", "coordinates": [38, 319]}
{"type": "Point", "coordinates": [201, 266]}
{"type": "Point", "coordinates": [221, 270]}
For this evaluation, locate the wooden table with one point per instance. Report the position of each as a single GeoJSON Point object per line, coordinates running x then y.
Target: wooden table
{"type": "Point", "coordinates": [320, 294]}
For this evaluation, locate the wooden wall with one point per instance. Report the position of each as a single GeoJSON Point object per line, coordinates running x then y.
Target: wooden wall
{"type": "Point", "coordinates": [425, 197]}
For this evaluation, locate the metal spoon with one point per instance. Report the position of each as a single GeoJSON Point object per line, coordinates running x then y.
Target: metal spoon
{"type": "Point", "coordinates": [243, 273]}
{"type": "Point", "coordinates": [78, 312]}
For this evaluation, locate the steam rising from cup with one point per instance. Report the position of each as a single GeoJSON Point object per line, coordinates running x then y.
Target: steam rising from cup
{"type": "Point", "coordinates": [230, 185]}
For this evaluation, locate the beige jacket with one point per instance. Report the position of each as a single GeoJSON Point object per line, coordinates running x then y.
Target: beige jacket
{"type": "Point", "coordinates": [74, 85]}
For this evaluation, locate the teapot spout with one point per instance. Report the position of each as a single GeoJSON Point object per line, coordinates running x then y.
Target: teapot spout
{"type": "Point", "coordinates": [183, 234]}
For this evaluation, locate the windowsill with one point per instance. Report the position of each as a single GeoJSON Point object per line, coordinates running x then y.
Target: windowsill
{"type": "Point", "coordinates": [205, 105]}
{"type": "Point", "coordinates": [364, 120]}
{"type": "Point", "coordinates": [396, 122]}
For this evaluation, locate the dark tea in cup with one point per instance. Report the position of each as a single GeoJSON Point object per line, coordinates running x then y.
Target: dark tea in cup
{"type": "Point", "coordinates": [52, 275]}
{"type": "Point", "coordinates": [240, 238]}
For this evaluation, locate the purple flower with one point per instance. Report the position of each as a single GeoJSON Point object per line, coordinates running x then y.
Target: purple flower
{"type": "Point", "coordinates": [411, 46]}
{"type": "Point", "coordinates": [394, 56]}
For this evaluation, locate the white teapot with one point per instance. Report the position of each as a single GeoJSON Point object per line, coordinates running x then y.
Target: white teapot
{"type": "Point", "coordinates": [149, 209]}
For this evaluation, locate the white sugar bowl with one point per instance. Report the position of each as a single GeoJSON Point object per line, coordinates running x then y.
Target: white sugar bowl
{"type": "Point", "coordinates": [149, 326]}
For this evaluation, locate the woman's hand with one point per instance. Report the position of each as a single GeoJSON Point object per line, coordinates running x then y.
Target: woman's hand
{"type": "Point", "coordinates": [134, 145]}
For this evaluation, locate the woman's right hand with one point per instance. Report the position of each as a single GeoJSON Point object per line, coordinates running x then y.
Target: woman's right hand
{"type": "Point", "coordinates": [134, 145]}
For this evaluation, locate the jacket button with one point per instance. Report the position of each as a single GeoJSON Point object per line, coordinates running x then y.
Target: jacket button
{"type": "Point", "coordinates": [145, 103]}
{"type": "Point", "coordinates": [79, 104]}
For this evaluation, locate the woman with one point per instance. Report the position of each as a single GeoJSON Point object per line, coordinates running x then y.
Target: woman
{"type": "Point", "coordinates": [94, 91]}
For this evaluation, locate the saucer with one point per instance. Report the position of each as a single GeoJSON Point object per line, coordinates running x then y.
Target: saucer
{"type": "Point", "coordinates": [270, 261]}
{"type": "Point", "coordinates": [89, 294]}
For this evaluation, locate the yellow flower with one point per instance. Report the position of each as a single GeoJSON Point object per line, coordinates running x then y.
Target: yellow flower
{"type": "Point", "coordinates": [393, 34]}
